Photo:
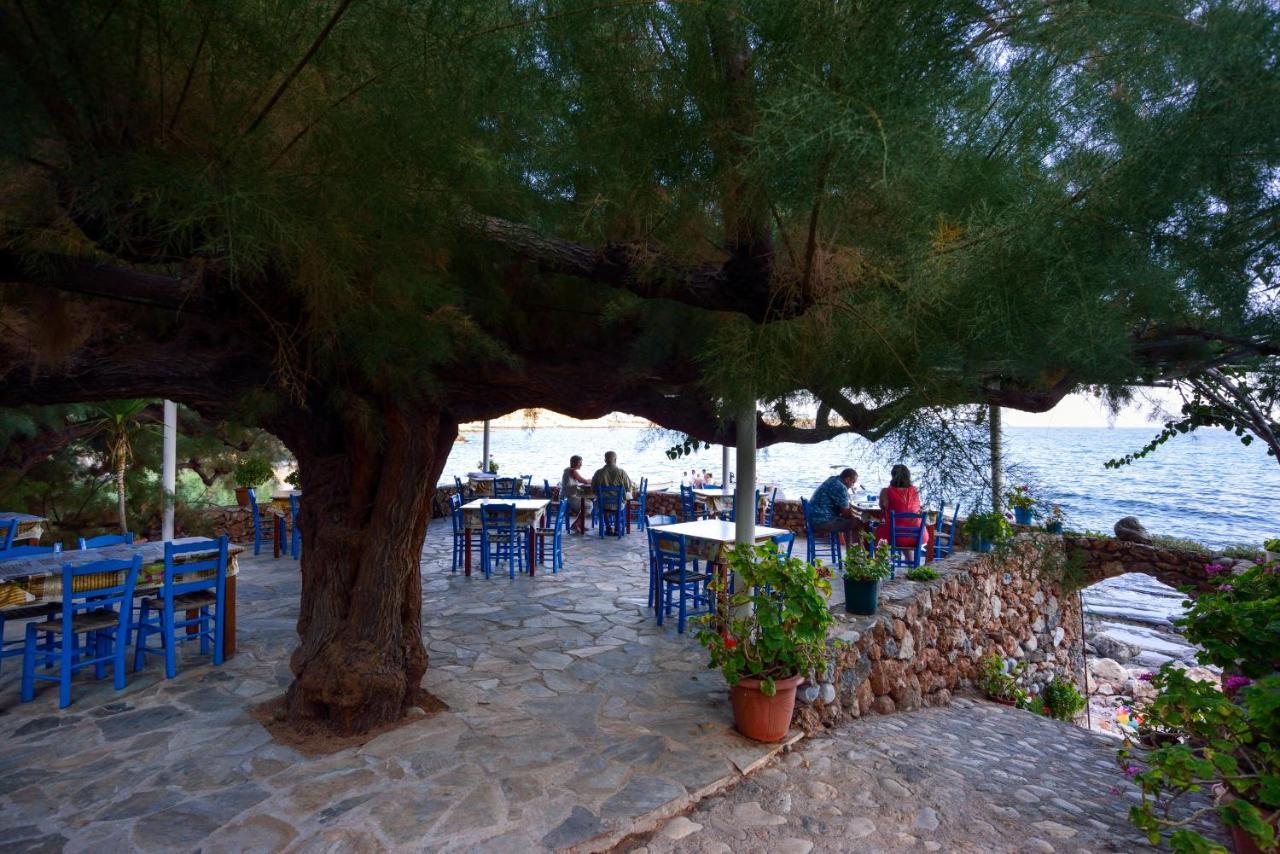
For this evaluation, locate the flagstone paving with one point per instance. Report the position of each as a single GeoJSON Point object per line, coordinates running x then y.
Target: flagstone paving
{"type": "Point", "coordinates": [570, 715]}
{"type": "Point", "coordinates": [974, 776]}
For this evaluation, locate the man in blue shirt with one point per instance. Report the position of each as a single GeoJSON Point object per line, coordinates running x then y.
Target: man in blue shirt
{"type": "Point", "coordinates": [829, 509]}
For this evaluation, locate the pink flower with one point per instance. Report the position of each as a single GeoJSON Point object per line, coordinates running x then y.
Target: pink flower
{"type": "Point", "coordinates": [1132, 770]}
{"type": "Point", "coordinates": [1225, 588]}
{"type": "Point", "coordinates": [1146, 677]}
{"type": "Point", "coordinates": [1214, 568]}
{"type": "Point", "coordinates": [1235, 683]}
{"type": "Point", "coordinates": [1114, 791]}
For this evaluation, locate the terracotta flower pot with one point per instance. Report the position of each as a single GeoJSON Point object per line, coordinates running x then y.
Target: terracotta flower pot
{"type": "Point", "coordinates": [242, 496]}
{"type": "Point", "coordinates": [764, 718]}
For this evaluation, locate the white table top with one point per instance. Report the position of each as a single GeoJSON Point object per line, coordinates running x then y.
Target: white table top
{"type": "Point", "coordinates": [520, 503]}
{"type": "Point", "coordinates": [716, 530]}
{"type": "Point", "coordinates": [479, 475]}
{"type": "Point", "coordinates": [285, 493]}
{"type": "Point", "coordinates": [713, 493]}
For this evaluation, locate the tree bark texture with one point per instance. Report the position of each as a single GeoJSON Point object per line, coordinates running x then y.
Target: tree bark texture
{"type": "Point", "coordinates": [363, 518]}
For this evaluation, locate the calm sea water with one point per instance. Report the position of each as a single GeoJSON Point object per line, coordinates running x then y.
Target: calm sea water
{"type": "Point", "coordinates": [1205, 487]}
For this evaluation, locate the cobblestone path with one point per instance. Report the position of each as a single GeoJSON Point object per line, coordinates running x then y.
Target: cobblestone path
{"type": "Point", "coordinates": [973, 777]}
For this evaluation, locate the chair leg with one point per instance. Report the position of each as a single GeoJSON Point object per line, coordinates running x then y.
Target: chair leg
{"type": "Point", "coordinates": [117, 665]}
{"type": "Point", "coordinates": [64, 675]}
{"type": "Point", "coordinates": [99, 666]}
{"type": "Point", "coordinates": [203, 627]}
{"type": "Point", "coordinates": [219, 627]}
{"type": "Point", "coordinates": [684, 595]}
{"type": "Point", "coordinates": [29, 664]}
{"type": "Point", "coordinates": [141, 632]}
{"type": "Point", "coordinates": [169, 635]}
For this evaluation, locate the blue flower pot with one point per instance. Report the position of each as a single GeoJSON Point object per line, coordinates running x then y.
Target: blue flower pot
{"type": "Point", "coordinates": [981, 545]}
{"type": "Point", "coordinates": [861, 597]}
{"type": "Point", "coordinates": [1053, 527]}
{"type": "Point", "coordinates": [1022, 515]}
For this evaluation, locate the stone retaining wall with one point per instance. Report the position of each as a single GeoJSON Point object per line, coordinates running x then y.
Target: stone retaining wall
{"type": "Point", "coordinates": [1101, 558]}
{"type": "Point", "coordinates": [236, 522]}
{"type": "Point", "coordinates": [929, 637]}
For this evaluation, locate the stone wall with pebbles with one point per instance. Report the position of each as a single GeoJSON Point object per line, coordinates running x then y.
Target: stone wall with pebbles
{"type": "Point", "coordinates": [1105, 557]}
{"type": "Point", "coordinates": [236, 522]}
{"type": "Point", "coordinates": [928, 638]}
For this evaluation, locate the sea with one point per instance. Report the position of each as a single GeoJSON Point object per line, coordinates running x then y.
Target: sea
{"type": "Point", "coordinates": [1205, 486]}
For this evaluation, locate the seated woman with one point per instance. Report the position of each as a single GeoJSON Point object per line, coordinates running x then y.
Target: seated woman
{"type": "Point", "coordinates": [899, 497]}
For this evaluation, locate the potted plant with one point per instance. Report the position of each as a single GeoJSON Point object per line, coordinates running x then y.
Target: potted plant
{"type": "Point", "coordinates": [771, 634]}
{"type": "Point", "coordinates": [1228, 739]}
{"type": "Point", "coordinates": [1271, 550]}
{"type": "Point", "coordinates": [1022, 503]}
{"type": "Point", "coordinates": [492, 468]}
{"type": "Point", "coordinates": [998, 679]}
{"type": "Point", "coordinates": [1054, 523]}
{"type": "Point", "coordinates": [249, 474]}
{"type": "Point", "coordinates": [864, 569]}
{"type": "Point", "coordinates": [1062, 700]}
{"type": "Point", "coordinates": [987, 530]}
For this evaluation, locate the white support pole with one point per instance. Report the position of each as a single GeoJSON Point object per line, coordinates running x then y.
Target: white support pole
{"type": "Point", "coordinates": [724, 481]}
{"type": "Point", "coordinates": [169, 469]}
{"type": "Point", "coordinates": [744, 497]}
{"type": "Point", "coordinates": [484, 464]}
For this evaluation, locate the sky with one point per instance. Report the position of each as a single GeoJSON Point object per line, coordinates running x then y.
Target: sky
{"type": "Point", "coordinates": [1085, 410]}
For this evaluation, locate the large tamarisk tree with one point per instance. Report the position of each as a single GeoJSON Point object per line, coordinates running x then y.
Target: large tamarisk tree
{"type": "Point", "coordinates": [358, 224]}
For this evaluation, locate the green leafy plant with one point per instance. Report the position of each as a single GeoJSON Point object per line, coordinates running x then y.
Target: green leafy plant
{"type": "Point", "coordinates": [492, 467]}
{"type": "Point", "coordinates": [1236, 625]}
{"type": "Point", "coordinates": [294, 479]}
{"type": "Point", "coordinates": [860, 564]}
{"type": "Point", "coordinates": [252, 472]}
{"type": "Point", "coordinates": [1061, 699]}
{"type": "Point", "coordinates": [1021, 498]}
{"type": "Point", "coordinates": [924, 572]}
{"type": "Point", "coordinates": [1227, 744]}
{"type": "Point", "coordinates": [778, 622]}
{"type": "Point", "coordinates": [992, 527]}
{"type": "Point", "coordinates": [1272, 545]}
{"type": "Point", "coordinates": [998, 679]}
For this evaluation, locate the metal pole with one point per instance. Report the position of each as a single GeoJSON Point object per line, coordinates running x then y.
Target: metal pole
{"type": "Point", "coordinates": [169, 468]}
{"type": "Point", "coordinates": [744, 497]}
{"type": "Point", "coordinates": [997, 460]}
{"type": "Point", "coordinates": [724, 482]}
{"type": "Point", "coordinates": [484, 464]}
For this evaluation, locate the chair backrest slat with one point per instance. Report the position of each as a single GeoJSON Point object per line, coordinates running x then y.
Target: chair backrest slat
{"type": "Point", "coordinates": [910, 525]}
{"type": "Point", "coordinates": [15, 552]}
{"type": "Point", "coordinates": [175, 570]}
{"type": "Point", "coordinates": [7, 530]}
{"type": "Point", "coordinates": [611, 497]}
{"type": "Point", "coordinates": [103, 540]}
{"type": "Point", "coordinates": [116, 591]}
{"type": "Point", "coordinates": [498, 517]}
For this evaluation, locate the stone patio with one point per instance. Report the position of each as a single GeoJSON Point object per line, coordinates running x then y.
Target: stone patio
{"type": "Point", "coordinates": [571, 718]}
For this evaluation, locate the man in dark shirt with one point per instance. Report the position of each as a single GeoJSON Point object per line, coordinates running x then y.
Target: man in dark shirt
{"type": "Point", "coordinates": [829, 510]}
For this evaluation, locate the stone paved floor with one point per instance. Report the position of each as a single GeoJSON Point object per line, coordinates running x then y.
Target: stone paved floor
{"type": "Point", "coordinates": [570, 714]}
{"type": "Point", "coordinates": [975, 776]}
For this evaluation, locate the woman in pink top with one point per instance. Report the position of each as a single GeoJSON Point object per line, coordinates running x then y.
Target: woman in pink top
{"type": "Point", "coordinates": [899, 497]}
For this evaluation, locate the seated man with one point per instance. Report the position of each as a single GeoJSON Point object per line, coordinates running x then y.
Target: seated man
{"type": "Point", "coordinates": [611, 475]}
{"type": "Point", "coordinates": [573, 487]}
{"type": "Point", "coordinates": [829, 510]}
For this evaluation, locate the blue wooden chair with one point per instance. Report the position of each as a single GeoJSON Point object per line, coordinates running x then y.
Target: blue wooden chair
{"type": "Point", "coordinates": [505, 487]}
{"type": "Point", "coordinates": [499, 539]}
{"type": "Point", "coordinates": [675, 577]}
{"type": "Point", "coordinates": [732, 515]}
{"type": "Point", "coordinates": [906, 540]}
{"type": "Point", "coordinates": [295, 534]}
{"type": "Point", "coordinates": [612, 504]}
{"type": "Point", "coordinates": [944, 533]}
{"type": "Point", "coordinates": [7, 530]}
{"type": "Point", "coordinates": [14, 648]}
{"type": "Point", "coordinates": [182, 592]}
{"type": "Point", "coordinates": [106, 540]}
{"type": "Point", "coordinates": [101, 615]}
{"type": "Point", "coordinates": [638, 507]}
{"type": "Point", "coordinates": [831, 542]}
{"type": "Point", "coordinates": [553, 535]}
{"type": "Point", "coordinates": [689, 511]}
{"type": "Point", "coordinates": [524, 486]}
{"type": "Point", "coordinates": [661, 519]}
{"type": "Point", "coordinates": [257, 520]}
{"type": "Point", "coordinates": [463, 489]}
{"type": "Point", "coordinates": [459, 520]}
{"type": "Point", "coordinates": [788, 540]}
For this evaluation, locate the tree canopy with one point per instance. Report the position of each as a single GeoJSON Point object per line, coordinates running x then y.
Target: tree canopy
{"type": "Point", "coordinates": [360, 222]}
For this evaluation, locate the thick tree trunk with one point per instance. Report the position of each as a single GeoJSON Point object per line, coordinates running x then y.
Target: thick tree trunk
{"type": "Point", "coordinates": [121, 510]}
{"type": "Point", "coordinates": [366, 502]}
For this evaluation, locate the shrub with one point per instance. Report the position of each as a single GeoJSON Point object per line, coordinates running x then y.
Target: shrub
{"type": "Point", "coordinates": [924, 572]}
{"type": "Point", "coordinates": [998, 679]}
{"type": "Point", "coordinates": [992, 527]}
{"type": "Point", "coordinates": [252, 472]}
{"type": "Point", "coordinates": [1021, 498]}
{"type": "Point", "coordinates": [1061, 699]}
{"type": "Point", "coordinates": [775, 632]}
{"type": "Point", "coordinates": [294, 478]}
{"type": "Point", "coordinates": [1237, 624]}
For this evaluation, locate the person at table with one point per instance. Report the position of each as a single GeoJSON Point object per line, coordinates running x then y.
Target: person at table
{"type": "Point", "coordinates": [829, 509]}
{"type": "Point", "coordinates": [610, 474]}
{"type": "Point", "coordinates": [899, 497]}
{"type": "Point", "coordinates": [573, 487]}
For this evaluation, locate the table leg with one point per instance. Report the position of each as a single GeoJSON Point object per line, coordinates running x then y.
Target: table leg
{"type": "Point", "coordinates": [229, 624]}
{"type": "Point", "coordinates": [466, 558]}
{"type": "Point", "coordinates": [275, 538]}
{"type": "Point", "coordinates": [532, 537]}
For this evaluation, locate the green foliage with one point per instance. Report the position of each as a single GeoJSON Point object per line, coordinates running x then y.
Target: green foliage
{"type": "Point", "coordinates": [1222, 741]}
{"type": "Point", "coordinates": [294, 478]}
{"type": "Point", "coordinates": [252, 472]}
{"type": "Point", "coordinates": [999, 680]}
{"type": "Point", "coordinates": [1061, 699]}
{"type": "Point", "coordinates": [1236, 626]}
{"type": "Point", "coordinates": [1181, 544]}
{"type": "Point", "coordinates": [1021, 498]}
{"type": "Point", "coordinates": [990, 526]}
{"type": "Point", "coordinates": [687, 448]}
{"type": "Point", "coordinates": [1272, 545]}
{"type": "Point", "coordinates": [776, 632]}
{"type": "Point", "coordinates": [923, 572]}
{"type": "Point", "coordinates": [861, 565]}
{"type": "Point", "coordinates": [1243, 551]}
